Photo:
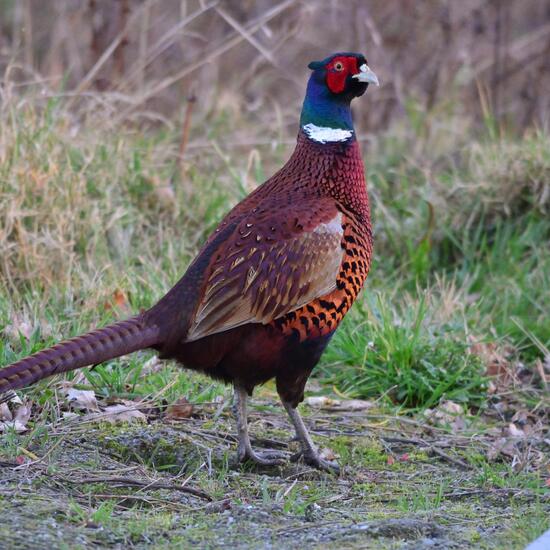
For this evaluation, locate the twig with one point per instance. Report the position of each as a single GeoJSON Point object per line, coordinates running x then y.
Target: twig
{"type": "Point", "coordinates": [148, 500]}
{"type": "Point", "coordinates": [216, 52]}
{"type": "Point", "coordinates": [245, 34]}
{"type": "Point", "coordinates": [307, 526]}
{"type": "Point", "coordinates": [119, 52]}
{"type": "Point", "coordinates": [85, 82]}
{"type": "Point", "coordinates": [448, 458]}
{"type": "Point", "coordinates": [191, 100]}
{"type": "Point", "coordinates": [159, 47]}
{"type": "Point", "coordinates": [431, 449]}
{"type": "Point", "coordinates": [499, 491]}
{"type": "Point", "coordinates": [28, 33]}
{"type": "Point", "coordinates": [137, 483]}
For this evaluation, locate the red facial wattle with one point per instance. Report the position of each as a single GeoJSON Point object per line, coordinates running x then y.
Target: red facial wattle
{"type": "Point", "coordinates": [337, 72]}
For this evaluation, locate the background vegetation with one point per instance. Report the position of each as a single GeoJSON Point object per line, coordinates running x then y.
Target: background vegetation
{"type": "Point", "coordinates": [128, 128]}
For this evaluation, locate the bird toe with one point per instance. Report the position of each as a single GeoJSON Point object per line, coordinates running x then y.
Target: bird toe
{"type": "Point", "coordinates": [268, 457]}
{"type": "Point", "coordinates": [315, 460]}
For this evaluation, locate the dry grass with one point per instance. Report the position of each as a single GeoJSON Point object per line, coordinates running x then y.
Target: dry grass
{"type": "Point", "coordinates": [99, 215]}
{"type": "Point", "coordinates": [151, 54]}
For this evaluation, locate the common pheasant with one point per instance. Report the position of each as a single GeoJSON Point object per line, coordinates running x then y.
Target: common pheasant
{"type": "Point", "coordinates": [272, 283]}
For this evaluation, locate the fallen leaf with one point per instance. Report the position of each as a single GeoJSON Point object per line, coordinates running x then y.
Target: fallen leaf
{"type": "Point", "coordinates": [19, 422]}
{"type": "Point", "coordinates": [18, 327]}
{"type": "Point", "coordinates": [82, 399]}
{"type": "Point", "coordinates": [179, 410]}
{"type": "Point", "coordinates": [118, 302]}
{"type": "Point", "coordinates": [328, 454]}
{"type": "Point", "coordinates": [498, 363]}
{"type": "Point", "coordinates": [23, 414]}
{"type": "Point", "coordinates": [514, 431]}
{"type": "Point", "coordinates": [502, 446]}
{"type": "Point", "coordinates": [166, 196]}
{"type": "Point", "coordinates": [319, 401]}
{"type": "Point", "coordinates": [154, 364]}
{"type": "Point", "coordinates": [541, 368]}
{"type": "Point", "coordinates": [447, 413]}
{"type": "Point", "coordinates": [5, 413]}
{"type": "Point", "coordinates": [390, 460]}
{"type": "Point", "coordinates": [118, 413]}
{"type": "Point", "coordinates": [451, 407]}
{"type": "Point", "coordinates": [323, 402]}
{"type": "Point", "coordinates": [355, 405]}
{"type": "Point", "coordinates": [404, 457]}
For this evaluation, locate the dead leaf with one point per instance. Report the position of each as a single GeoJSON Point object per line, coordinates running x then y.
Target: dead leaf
{"type": "Point", "coordinates": [447, 413]}
{"type": "Point", "coordinates": [541, 367]}
{"type": "Point", "coordinates": [324, 402]}
{"type": "Point", "coordinates": [451, 407]}
{"type": "Point", "coordinates": [82, 399]}
{"type": "Point", "coordinates": [328, 454]}
{"type": "Point", "coordinates": [179, 410]}
{"type": "Point", "coordinates": [152, 365]}
{"type": "Point", "coordinates": [118, 413]}
{"type": "Point", "coordinates": [497, 361]}
{"type": "Point", "coordinates": [319, 401]}
{"type": "Point", "coordinates": [355, 405]}
{"type": "Point", "coordinates": [5, 413]}
{"type": "Point", "coordinates": [19, 422]}
{"type": "Point", "coordinates": [19, 326]}
{"type": "Point", "coordinates": [166, 196]}
{"type": "Point", "coordinates": [23, 413]}
{"type": "Point", "coordinates": [118, 302]}
{"type": "Point", "coordinates": [504, 446]}
{"type": "Point", "coordinates": [514, 431]}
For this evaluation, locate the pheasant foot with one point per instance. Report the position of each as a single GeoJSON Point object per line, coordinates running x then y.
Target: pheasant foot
{"type": "Point", "coordinates": [309, 453]}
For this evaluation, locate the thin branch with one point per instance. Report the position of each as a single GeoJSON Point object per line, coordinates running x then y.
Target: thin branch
{"type": "Point", "coordinates": [130, 482]}
{"type": "Point", "coordinates": [216, 52]}
{"type": "Point", "coordinates": [245, 34]}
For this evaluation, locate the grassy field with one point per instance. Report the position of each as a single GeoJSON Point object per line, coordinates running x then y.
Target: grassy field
{"type": "Point", "coordinates": [449, 343]}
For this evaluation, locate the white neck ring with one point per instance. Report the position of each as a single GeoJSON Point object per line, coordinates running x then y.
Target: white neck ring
{"type": "Point", "coordinates": [323, 134]}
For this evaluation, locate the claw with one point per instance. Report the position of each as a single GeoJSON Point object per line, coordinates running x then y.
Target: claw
{"type": "Point", "coordinates": [315, 460]}
{"type": "Point", "coordinates": [309, 452]}
{"type": "Point", "coordinates": [245, 452]}
{"type": "Point", "coordinates": [268, 457]}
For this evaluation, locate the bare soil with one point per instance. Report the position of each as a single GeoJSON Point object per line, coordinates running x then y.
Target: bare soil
{"type": "Point", "coordinates": [173, 484]}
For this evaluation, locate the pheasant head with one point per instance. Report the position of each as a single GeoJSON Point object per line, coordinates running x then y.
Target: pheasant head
{"type": "Point", "coordinates": [334, 82]}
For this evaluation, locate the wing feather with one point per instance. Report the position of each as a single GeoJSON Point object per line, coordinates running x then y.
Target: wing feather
{"type": "Point", "coordinates": [261, 273]}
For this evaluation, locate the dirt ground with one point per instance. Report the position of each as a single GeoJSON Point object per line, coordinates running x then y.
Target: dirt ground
{"type": "Point", "coordinates": [405, 483]}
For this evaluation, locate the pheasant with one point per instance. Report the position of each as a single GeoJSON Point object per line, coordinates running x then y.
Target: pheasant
{"type": "Point", "coordinates": [271, 284]}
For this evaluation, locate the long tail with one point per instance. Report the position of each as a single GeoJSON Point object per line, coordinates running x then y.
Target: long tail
{"type": "Point", "coordinates": [89, 349]}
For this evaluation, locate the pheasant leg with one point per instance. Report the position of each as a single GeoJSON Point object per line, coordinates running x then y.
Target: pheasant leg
{"type": "Point", "coordinates": [309, 452]}
{"type": "Point", "coordinates": [244, 449]}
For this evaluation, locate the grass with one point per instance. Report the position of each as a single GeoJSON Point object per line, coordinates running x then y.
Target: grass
{"type": "Point", "coordinates": [97, 222]}
{"type": "Point", "coordinates": [85, 217]}
{"type": "Point", "coordinates": [396, 354]}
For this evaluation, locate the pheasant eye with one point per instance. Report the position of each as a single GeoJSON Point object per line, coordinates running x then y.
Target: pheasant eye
{"type": "Point", "coordinates": [339, 66]}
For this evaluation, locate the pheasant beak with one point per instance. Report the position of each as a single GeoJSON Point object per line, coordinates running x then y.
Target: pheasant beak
{"type": "Point", "coordinates": [366, 75]}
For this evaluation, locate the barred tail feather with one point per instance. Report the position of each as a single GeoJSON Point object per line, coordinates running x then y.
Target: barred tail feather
{"type": "Point", "coordinates": [89, 349]}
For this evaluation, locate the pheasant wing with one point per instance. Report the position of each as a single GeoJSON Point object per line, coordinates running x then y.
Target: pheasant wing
{"type": "Point", "coordinates": [273, 264]}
